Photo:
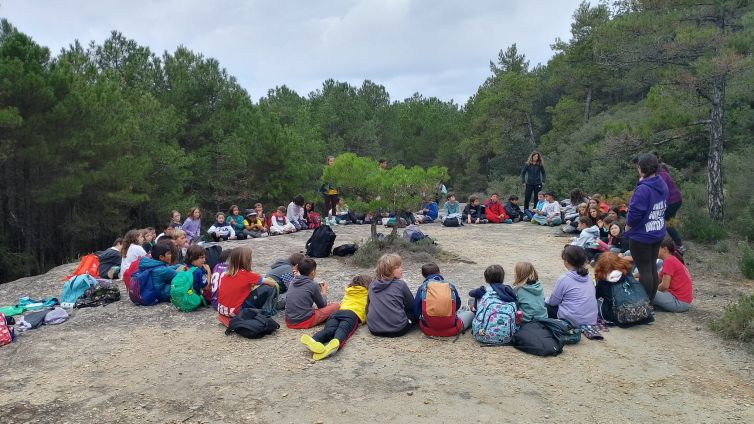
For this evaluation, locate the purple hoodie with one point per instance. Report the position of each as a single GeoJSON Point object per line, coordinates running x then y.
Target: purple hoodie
{"type": "Point", "coordinates": [574, 296]}
{"type": "Point", "coordinates": [674, 195]}
{"type": "Point", "coordinates": [192, 227]}
{"type": "Point", "coordinates": [646, 211]}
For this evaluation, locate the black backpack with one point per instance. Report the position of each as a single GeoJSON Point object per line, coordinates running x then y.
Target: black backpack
{"type": "Point", "coordinates": [536, 338]}
{"type": "Point", "coordinates": [212, 254]}
{"type": "Point", "coordinates": [320, 243]}
{"type": "Point", "coordinates": [252, 324]}
{"type": "Point", "coordinates": [563, 330]}
{"type": "Point", "coordinates": [345, 249]}
{"type": "Point", "coordinates": [452, 222]}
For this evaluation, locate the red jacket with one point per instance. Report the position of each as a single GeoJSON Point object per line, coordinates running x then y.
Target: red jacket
{"type": "Point", "coordinates": [494, 210]}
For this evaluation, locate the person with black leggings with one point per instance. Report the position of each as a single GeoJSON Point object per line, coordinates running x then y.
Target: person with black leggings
{"type": "Point", "coordinates": [532, 177]}
{"type": "Point", "coordinates": [645, 222]}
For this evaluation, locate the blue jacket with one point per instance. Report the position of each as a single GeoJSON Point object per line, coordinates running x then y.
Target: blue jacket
{"type": "Point", "coordinates": [646, 211]}
{"type": "Point", "coordinates": [418, 297]}
{"type": "Point", "coordinates": [432, 210]}
{"type": "Point", "coordinates": [162, 276]}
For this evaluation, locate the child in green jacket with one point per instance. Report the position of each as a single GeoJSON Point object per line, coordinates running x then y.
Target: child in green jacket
{"type": "Point", "coordinates": [530, 296]}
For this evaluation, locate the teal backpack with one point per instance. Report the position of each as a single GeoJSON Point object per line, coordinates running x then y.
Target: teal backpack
{"type": "Point", "coordinates": [182, 293]}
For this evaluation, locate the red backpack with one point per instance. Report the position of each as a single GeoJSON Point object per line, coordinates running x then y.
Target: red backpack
{"type": "Point", "coordinates": [126, 276]}
{"type": "Point", "coordinates": [313, 219]}
{"type": "Point", "coordinates": [89, 264]}
{"type": "Point", "coordinates": [438, 314]}
{"type": "Point", "coordinates": [6, 332]}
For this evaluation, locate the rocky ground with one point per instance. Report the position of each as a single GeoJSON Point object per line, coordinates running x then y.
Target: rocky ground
{"type": "Point", "coordinates": [124, 363]}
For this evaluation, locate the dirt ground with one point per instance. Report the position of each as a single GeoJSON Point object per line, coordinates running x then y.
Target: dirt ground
{"type": "Point", "coordinates": [124, 363]}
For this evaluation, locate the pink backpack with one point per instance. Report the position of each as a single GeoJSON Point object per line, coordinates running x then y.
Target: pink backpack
{"type": "Point", "coordinates": [6, 332]}
{"type": "Point", "coordinates": [314, 220]}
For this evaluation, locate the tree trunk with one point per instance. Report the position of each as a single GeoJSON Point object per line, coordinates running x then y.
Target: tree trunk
{"type": "Point", "coordinates": [373, 224]}
{"type": "Point", "coordinates": [530, 129]}
{"type": "Point", "coordinates": [587, 105]}
{"type": "Point", "coordinates": [715, 196]}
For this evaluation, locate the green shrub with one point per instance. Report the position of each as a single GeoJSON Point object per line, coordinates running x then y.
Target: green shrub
{"type": "Point", "coordinates": [700, 227]}
{"type": "Point", "coordinates": [422, 251]}
{"type": "Point", "coordinates": [747, 261]}
{"type": "Point", "coordinates": [722, 246]}
{"type": "Point", "coordinates": [737, 322]}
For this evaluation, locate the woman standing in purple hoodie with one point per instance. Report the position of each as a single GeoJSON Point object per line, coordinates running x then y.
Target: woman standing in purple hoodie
{"type": "Point", "coordinates": [674, 203]}
{"type": "Point", "coordinates": [645, 222]}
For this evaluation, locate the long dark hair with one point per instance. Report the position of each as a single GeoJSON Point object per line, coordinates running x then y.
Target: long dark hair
{"type": "Point", "coordinates": [531, 161]}
{"type": "Point", "coordinates": [576, 257]}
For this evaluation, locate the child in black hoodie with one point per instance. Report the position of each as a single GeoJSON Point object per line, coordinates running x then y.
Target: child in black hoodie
{"type": "Point", "coordinates": [512, 209]}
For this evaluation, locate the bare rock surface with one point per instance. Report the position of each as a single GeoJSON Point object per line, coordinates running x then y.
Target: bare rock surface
{"type": "Point", "coordinates": [125, 363]}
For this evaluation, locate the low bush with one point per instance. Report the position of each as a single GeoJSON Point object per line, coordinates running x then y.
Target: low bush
{"type": "Point", "coordinates": [737, 323]}
{"type": "Point", "coordinates": [747, 261]}
{"type": "Point", "coordinates": [702, 228]}
{"type": "Point", "coordinates": [422, 251]}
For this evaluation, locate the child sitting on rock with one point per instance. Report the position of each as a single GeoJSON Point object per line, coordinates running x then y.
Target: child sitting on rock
{"type": "Point", "coordinates": [342, 324]}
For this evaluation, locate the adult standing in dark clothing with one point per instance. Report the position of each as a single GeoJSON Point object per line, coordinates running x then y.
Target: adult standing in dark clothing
{"type": "Point", "coordinates": [674, 203]}
{"type": "Point", "coordinates": [532, 177]}
{"type": "Point", "coordinates": [645, 222]}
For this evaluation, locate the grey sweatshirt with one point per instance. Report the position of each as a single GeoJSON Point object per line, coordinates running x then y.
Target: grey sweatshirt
{"type": "Point", "coordinates": [302, 293]}
{"type": "Point", "coordinates": [386, 305]}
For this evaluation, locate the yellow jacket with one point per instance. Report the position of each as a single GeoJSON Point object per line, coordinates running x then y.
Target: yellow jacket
{"type": "Point", "coordinates": [355, 300]}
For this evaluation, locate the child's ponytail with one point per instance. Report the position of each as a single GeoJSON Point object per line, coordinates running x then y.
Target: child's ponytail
{"type": "Point", "coordinates": [576, 257]}
{"type": "Point", "coordinates": [668, 243]}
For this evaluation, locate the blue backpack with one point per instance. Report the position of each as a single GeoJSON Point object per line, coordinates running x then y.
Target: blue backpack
{"type": "Point", "coordinates": [75, 288]}
{"type": "Point", "coordinates": [141, 289]}
{"type": "Point", "coordinates": [495, 320]}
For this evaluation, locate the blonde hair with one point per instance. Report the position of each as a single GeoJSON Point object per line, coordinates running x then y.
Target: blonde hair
{"type": "Point", "coordinates": [525, 273]}
{"type": "Point", "coordinates": [178, 233]}
{"type": "Point", "coordinates": [240, 258]}
{"type": "Point", "coordinates": [387, 264]}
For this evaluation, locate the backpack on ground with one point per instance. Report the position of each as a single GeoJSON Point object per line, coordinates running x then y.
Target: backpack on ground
{"type": "Point", "coordinates": [536, 338]}
{"type": "Point", "coordinates": [127, 273]}
{"type": "Point", "coordinates": [74, 288]}
{"type": "Point", "coordinates": [438, 313]}
{"type": "Point", "coordinates": [412, 233]}
{"type": "Point", "coordinates": [252, 324]}
{"type": "Point", "coordinates": [345, 249]}
{"type": "Point", "coordinates": [321, 242]}
{"type": "Point", "coordinates": [392, 222]}
{"type": "Point", "coordinates": [454, 221]}
{"type": "Point", "coordinates": [495, 320]}
{"type": "Point", "coordinates": [141, 289]}
{"type": "Point", "coordinates": [212, 254]}
{"type": "Point", "coordinates": [100, 294]}
{"type": "Point", "coordinates": [313, 220]}
{"type": "Point", "coordinates": [182, 293]}
{"type": "Point", "coordinates": [89, 264]}
{"type": "Point", "coordinates": [563, 329]}
{"type": "Point", "coordinates": [630, 302]}
{"type": "Point", "coordinates": [7, 335]}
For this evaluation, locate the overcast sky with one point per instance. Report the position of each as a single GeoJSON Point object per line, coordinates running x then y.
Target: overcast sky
{"type": "Point", "coordinates": [434, 47]}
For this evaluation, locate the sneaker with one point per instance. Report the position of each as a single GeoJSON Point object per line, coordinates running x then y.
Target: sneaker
{"type": "Point", "coordinates": [331, 347]}
{"type": "Point", "coordinates": [313, 345]}
{"type": "Point", "coordinates": [509, 221]}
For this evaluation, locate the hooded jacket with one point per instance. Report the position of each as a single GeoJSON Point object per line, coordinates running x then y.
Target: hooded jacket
{"type": "Point", "coordinates": [282, 272]}
{"type": "Point", "coordinates": [674, 195]}
{"type": "Point", "coordinates": [587, 236]}
{"type": "Point", "coordinates": [418, 296]}
{"type": "Point", "coordinates": [494, 210]}
{"type": "Point", "coordinates": [646, 211]}
{"type": "Point", "coordinates": [574, 295]}
{"type": "Point", "coordinates": [386, 305]}
{"type": "Point", "coordinates": [475, 212]}
{"type": "Point", "coordinates": [302, 293]}
{"type": "Point", "coordinates": [432, 210]}
{"type": "Point", "coordinates": [530, 299]}
{"type": "Point", "coordinates": [513, 211]}
{"type": "Point", "coordinates": [504, 292]}
{"type": "Point", "coordinates": [162, 276]}
{"type": "Point", "coordinates": [355, 300]}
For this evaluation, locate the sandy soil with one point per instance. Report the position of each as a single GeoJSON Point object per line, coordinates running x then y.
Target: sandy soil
{"type": "Point", "coordinates": [123, 363]}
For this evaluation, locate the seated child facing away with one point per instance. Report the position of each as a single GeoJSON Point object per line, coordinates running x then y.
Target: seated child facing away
{"type": "Point", "coordinates": [531, 213]}
{"type": "Point", "coordinates": [675, 292]}
{"type": "Point", "coordinates": [240, 288]}
{"type": "Point", "coordinates": [217, 273]}
{"type": "Point", "coordinates": [342, 324]}
{"type": "Point", "coordinates": [438, 305]}
{"type": "Point", "coordinates": [550, 213]}
{"type": "Point", "coordinates": [279, 223]}
{"type": "Point", "coordinates": [109, 260]}
{"type": "Point", "coordinates": [220, 229]}
{"type": "Point", "coordinates": [513, 210]}
{"type": "Point", "coordinates": [493, 276]}
{"type": "Point", "coordinates": [530, 297]}
{"type": "Point", "coordinates": [253, 225]}
{"type": "Point", "coordinates": [429, 212]}
{"type": "Point", "coordinates": [195, 261]}
{"type": "Point", "coordinates": [473, 213]}
{"type": "Point", "coordinates": [302, 294]}
{"type": "Point", "coordinates": [160, 265]}
{"type": "Point", "coordinates": [390, 305]}
{"type": "Point", "coordinates": [573, 298]}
